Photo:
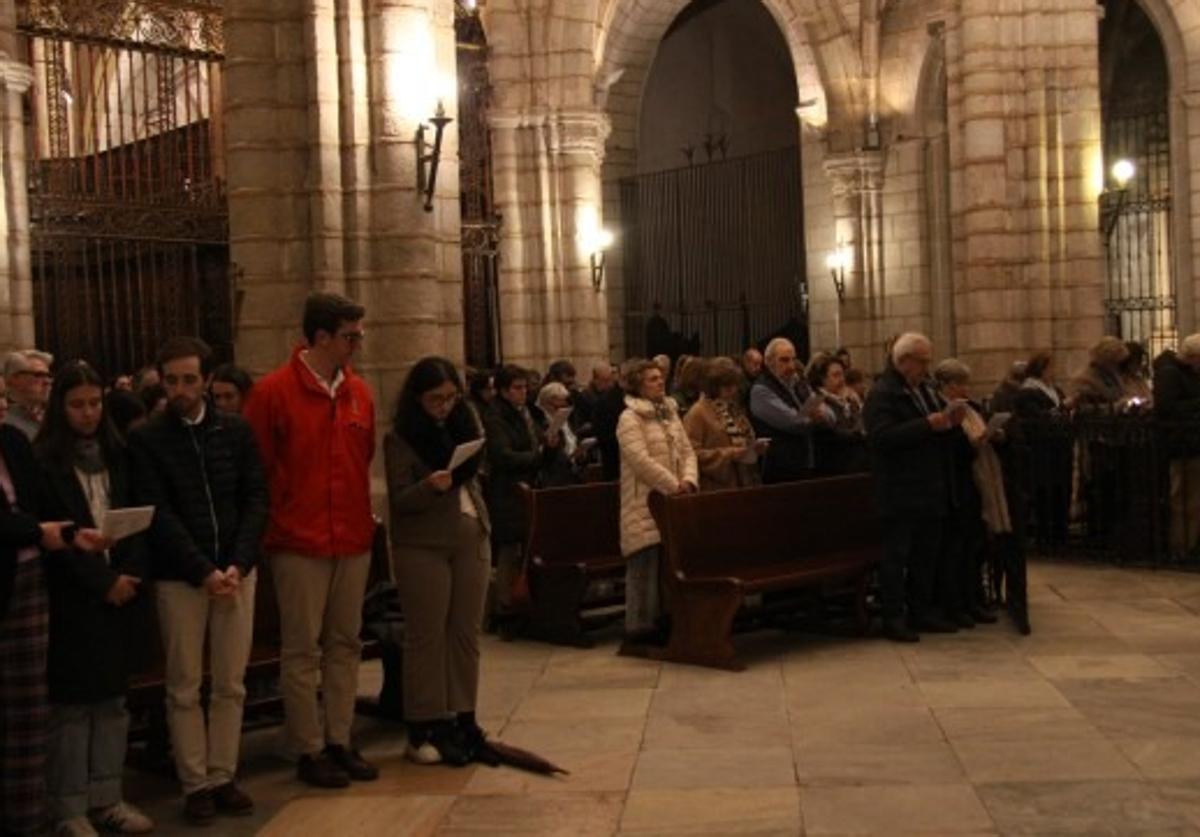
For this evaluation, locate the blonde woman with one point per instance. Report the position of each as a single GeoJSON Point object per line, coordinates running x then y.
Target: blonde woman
{"type": "Point", "coordinates": [655, 456]}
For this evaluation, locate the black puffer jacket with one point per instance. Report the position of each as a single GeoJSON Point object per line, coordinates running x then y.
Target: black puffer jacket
{"type": "Point", "coordinates": [207, 484]}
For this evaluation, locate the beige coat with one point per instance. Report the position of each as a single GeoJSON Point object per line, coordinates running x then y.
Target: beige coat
{"type": "Point", "coordinates": [655, 456]}
{"type": "Point", "coordinates": [989, 476]}
{"type": "Point", "coordinates": [716, 453]}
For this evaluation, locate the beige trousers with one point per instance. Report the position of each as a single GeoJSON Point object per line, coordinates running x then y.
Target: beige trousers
{"type": "Point", "coordinates": [186, 614]}
{"type": "Point", "coordinates": [442, 592]}
{"type": "Point", "coordinates": [320, 616]}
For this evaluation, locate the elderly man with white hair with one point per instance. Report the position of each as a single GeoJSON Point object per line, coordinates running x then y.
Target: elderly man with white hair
{"type": "Point", "coordinates": [782, 409]}
{"type": "Point", "coordinates": [27, 374]}
{"type": "Point", "coordinates": [1177, 399]}
{"type": "Point", "coordinates": [908, 433]}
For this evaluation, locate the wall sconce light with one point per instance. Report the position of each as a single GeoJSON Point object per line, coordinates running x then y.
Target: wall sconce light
{"type": "Point", "coordinates": [1123, 171]}
{"type": "Point", "coordinates": [595, 242]}
{"type": "Point", "coordinates": [839, 262]}
{"type": "Point", "coordinates": [427, 162]}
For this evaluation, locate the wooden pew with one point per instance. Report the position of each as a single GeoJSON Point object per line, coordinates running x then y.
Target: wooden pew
{"type": "Point", "coordinates": [573, 538]}
{"type": "Point", "coordinates": [720, 546]}
{"type": "Point", "coordinates": [147, 689]}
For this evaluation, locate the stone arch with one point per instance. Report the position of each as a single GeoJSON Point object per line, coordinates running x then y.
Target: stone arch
{"type": "Point", "coordinates": [1171, 18]}
{"type": "Point", "coordinates": [627, 36]}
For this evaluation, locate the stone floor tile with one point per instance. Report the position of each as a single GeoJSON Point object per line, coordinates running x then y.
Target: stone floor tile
{"type": "Point", "coordinates": [769, 767]}
{"type": "Point", "coordinates": [894, 809]}
{"type": "Point", "coordinates": [712, 811]}
{"type": "Point", "coordinates": [335, 816]}
{"type": "Point", "coordinates": [856, 764]}
{"type": "Point", "coordinates": [590, 771]}
{"type": "Point", "coordinates": [1099, 667]}
{"type": "Point", "coordinates": [985, 723]}
{"type": "Point", "coordinates": [1034, 760]}
{"type": "Point", "coordinates": [1163, 758]}
{"type": "Point", "coordinates": [897, 726]}
{"type": "Point", "coordinates": [1107, 808]}
{"type": "Point", "coordinates": [994, 693]}
{"type": "Point", "coordinates": [728, 699]}
{"type": "Point", "coordinates": [1134, 710]}
{"type": "Point", "coordinates": [692, 732]}
{"type": "Point", "coordinates": [583, 704]}
{"type": "Point", "coordinates": [597, 734]}
{"type": "Point", "coordinates": [548, 815]}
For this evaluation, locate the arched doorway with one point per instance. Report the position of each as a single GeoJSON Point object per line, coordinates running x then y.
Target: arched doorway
{"type": "Point", "coordinates": [1137, 206]}
{"type": "Point", "coordinates": [712, 220]}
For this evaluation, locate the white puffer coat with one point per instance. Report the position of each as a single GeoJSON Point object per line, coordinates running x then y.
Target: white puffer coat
{"type": "Point", "coordinates": [655, 456]}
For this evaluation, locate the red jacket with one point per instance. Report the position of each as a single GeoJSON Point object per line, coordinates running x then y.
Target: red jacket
{"type": "Point", "coordinates": [317, 452]}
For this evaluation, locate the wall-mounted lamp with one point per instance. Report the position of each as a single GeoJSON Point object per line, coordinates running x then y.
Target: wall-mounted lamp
{"type": "Point", "coordinates": [595, 242]}
{"type": "Point", "coordinates": [427, 162]}
{"type": "Point", "coordinates": [1123, 171]}
{"type": "Point", "coordinates": [839, 262]}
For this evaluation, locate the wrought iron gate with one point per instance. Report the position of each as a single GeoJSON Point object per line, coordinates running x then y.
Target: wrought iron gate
{"type": "Point", "coordinates": [480, 222]}
{"type": "Point", "coordinates": [719, 248]}
{"type": "Point", "coordinates": [1140, 290]}
{"type": "Point", "coordinates": [128, 217]}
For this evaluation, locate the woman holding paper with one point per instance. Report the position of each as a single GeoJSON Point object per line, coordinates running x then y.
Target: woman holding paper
{"type": "Point", "coordinates": [95, 604]}
{"type": "Point", "coordinates": [720, 432]}
{"type": "Point", "coordinates": [439, 529]}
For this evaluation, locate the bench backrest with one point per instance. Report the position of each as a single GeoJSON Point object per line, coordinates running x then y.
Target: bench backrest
{"type": "Point", "coordinates": [711, 533]}
{"type": "Point", "coordinates": [579, 524]}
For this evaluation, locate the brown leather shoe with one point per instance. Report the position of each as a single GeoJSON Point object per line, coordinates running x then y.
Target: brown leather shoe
{"type": "Point", "coordinates": [320, 771]}
{"type": "Point", "coordinates": [352, 763]}
{"type": "Point", "coordinates": [231, 801]}
{"type": "Point", "coordinates": [199, 808]}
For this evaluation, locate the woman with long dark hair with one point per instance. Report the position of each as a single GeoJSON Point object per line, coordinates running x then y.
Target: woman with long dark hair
{"type": "Point", "coordinates": [94, 599]}
{"type": "Point", "coordinates": [440, 530]}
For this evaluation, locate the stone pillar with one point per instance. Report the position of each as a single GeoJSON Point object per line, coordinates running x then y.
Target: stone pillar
{"type": "Point", "coordinates": [856, 180]}
{"type": "Point", "coordinates": [16, 286]}
{"type": "Point", "coordinates": [1025, 150]}
{"type": "Point", "coordinates": [548, 190]}
{"type": "Point", "coordinates": [323, 102]}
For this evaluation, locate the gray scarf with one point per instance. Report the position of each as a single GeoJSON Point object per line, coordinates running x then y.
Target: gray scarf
{"type": "Point", "coordinates": [89, 457]}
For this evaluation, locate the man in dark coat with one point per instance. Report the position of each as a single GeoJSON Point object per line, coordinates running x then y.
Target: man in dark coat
{"type": "Point", "coordinates": [908, 436]}
{"type": "Point", "coordinates": [782, 409]}
{"type": "Point", "coordinates": [1177, 401]}
{"type": "Point", "coordinates": [200, 469]}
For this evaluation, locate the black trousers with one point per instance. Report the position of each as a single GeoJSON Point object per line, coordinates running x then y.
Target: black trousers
{"type": "Point", "coordinates": [912, 554]}
{"type": "Point", "coordinates": [959, 584]}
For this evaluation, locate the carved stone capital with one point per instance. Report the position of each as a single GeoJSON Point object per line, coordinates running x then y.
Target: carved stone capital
{"type": "Point", "coordinates": [566, 131]}
{"type": "Point", "coordinates": [855, 173]}
{"type": "Point", "coordinates": [16, 76]}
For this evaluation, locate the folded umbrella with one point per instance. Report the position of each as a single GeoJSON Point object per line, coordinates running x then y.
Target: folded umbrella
{"type": "Point", "coordinates": [495, 753]}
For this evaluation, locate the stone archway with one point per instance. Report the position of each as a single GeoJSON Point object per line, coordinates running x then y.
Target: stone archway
{"type": "Point", "coordinates": [627, 39]}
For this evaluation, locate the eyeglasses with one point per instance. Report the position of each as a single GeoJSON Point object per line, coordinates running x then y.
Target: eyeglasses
{"type": "Point", "coordinates": [441, 400]}
{"type": "Point", "coordinates": [353, 337]}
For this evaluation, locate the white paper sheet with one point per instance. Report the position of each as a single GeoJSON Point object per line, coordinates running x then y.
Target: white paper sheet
{"type": "Point", "coordinates": [121, 523]}
{"type": "Point", "coordinates": [997, 422]}
{"type": "Point", "coordinates": [464, 452]}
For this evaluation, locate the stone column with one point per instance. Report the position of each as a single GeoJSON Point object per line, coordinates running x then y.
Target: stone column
{"type": "Point", "coordinates": [548, 190]}
{"type": "Point", "coordinates": [1025, 150]}
{"type": "Point", "coordinates": [16, 286]}
{"type": "Point", "coordinates": [856, 180]}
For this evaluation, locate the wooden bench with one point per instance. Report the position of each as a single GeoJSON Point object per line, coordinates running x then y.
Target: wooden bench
{"type": "Point", "coordinates": [720, 546]}
{"type": "Point", "coordinates": [147, 689]}
{"type": "Point", "coordinates": [573, 539]}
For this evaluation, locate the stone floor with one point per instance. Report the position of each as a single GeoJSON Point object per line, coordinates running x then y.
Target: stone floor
{"type": "Point", "coordinates": [1089, 726]}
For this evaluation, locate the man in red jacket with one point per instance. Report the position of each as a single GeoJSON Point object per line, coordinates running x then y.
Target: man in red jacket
{"type": "Point", "coordinates": [315, 423]}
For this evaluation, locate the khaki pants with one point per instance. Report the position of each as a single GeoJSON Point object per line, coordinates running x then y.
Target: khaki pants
{"type": "Point", "coordinates": [186, 614]}
{"type": "Point", "coordinates": [1185, 505]}
{"type": "Point", "coordinates": [443, 592]}
{"type": "Point", "coordinates": [320, 616]}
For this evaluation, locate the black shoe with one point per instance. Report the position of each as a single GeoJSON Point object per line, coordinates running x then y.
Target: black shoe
{"type": "Point", "coordinates": [1021, 620]}
{"type": "Point", "coordinates": [983, 617]}
{"type": "Point", "coordinates": [934, 625]}
{"type": "Point", "coordinates": [199, 807]}
{"type": "Point", "coordinates": [897, 630]}
{"type": "Point", "coordinates": [447, 739]}
{"type": "Point", "coordinates": [350, 761]}
{"type": "Point", "coordinates": [321, 771]}
{"type": "Point", "coordinates": [473, 741]}
{"type": "Point", "coordinates": [962, 620]}
{"type": "Point", "coordinates": [231, 802]}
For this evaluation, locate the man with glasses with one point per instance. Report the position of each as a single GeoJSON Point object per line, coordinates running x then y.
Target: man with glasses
{"type": "Point", "coordinates": [908, 432]}
{"type": "Point", "coordinates": [315, 422]}
{"type": "Point", "coordinates": [27, 374]}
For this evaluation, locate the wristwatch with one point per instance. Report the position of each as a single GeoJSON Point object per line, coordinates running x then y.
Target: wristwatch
{"type": "Point", "coordinates": [68, 533]}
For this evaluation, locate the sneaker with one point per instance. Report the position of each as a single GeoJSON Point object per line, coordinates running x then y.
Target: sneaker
{"type": "Point", "coordinates": [320, 771]}
{"type": "Point", "coordinates": [436, 743]}
{"type": "Point", "coordinates": [231, 802]}
{"type": "Point", "coordinates": [199, 807]}
{"type": "Point", "coordinates": [123, 818]}
{"type": "Point", "coordinates": [76, 827]}
{"type": "Point", "coordinates": [422, 752]}
{"type": "Point", "coordinates": [349, 760]}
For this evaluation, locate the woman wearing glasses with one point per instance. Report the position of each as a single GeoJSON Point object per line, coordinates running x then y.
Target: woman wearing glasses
{"type": "Point", "coordinates": [440, 533]}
